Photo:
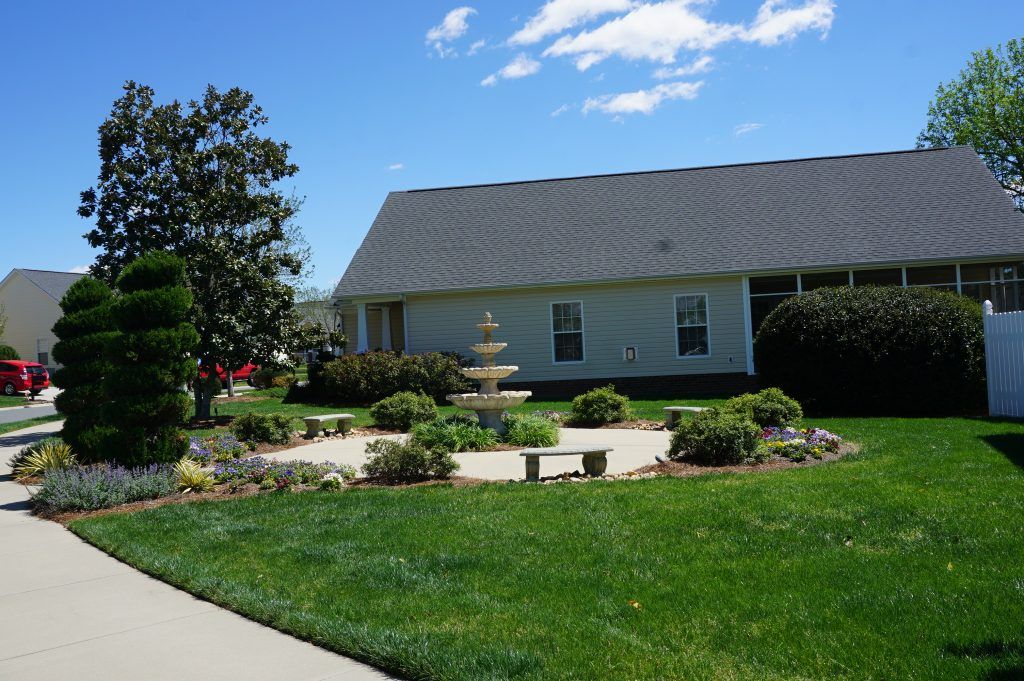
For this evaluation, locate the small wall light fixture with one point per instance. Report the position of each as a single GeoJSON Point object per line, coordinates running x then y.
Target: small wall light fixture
{"type": "Point", "coordinates": [630, 353]}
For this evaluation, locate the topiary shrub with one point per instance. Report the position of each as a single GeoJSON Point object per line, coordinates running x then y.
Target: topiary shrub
{"type": "Point", "coordinates": [7, 352]}
{"type": "Point", "coordinates": [876, 350]}
{"type": "Point", "coordinates": [372, 376]}
{"type": "Point", "coordinates": [770, 407]}
{"type": "Point", "coordinates": [409, 461]}
{"type": "Point", "coordinates": [599, 406]}
{"type": "Point", "coordinates": [459, 433]}
{"type": "Point", "coordinates": [84, 331]}
{"type": "Point", "coordinates": [530, 431]}
{"type": "Point", "coordinates": [253, 428]}
{"type": "Point", "coordinates": [715, 437]}
{"type": "Point", "coordinates": [150, 361]}
{"type": "Point", "coordinates": [403, 410]}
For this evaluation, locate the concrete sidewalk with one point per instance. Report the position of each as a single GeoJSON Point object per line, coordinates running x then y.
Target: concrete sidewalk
{"type": "Point", "coordinates": [633, 449]}
{"type": "Point", "coordinates": [69, 611]}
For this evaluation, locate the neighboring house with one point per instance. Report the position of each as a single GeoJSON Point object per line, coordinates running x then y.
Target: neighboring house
{"type": "Point", "coordinates": [658, 281]}
{"type": "Point", "coordinates": [30, 299]}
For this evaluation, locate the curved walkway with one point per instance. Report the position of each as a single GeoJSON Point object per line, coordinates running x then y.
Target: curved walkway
{"type": "Point", "coordinates": [633, 449]}
{"type": "Point", "coordinates": [69, 611]}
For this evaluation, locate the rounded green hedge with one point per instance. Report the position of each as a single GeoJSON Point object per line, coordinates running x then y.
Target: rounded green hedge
{"type": "Point", "coordinates": [876, 350]}
{"type": "Point", "coordinates": [8, 352]}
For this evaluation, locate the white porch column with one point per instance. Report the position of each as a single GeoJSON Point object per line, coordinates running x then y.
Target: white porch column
{"type": "Point", "coordinates": [385, 327]}
{"type": "Point", "coordinates": [362, 344]}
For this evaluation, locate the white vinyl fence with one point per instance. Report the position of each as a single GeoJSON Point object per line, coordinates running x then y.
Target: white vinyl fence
{"type": "Point", "coordinates": [1004, 361]}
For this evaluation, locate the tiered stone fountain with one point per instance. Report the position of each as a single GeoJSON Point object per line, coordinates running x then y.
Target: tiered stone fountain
{"type": "Point", "coordinates": [489, 403]}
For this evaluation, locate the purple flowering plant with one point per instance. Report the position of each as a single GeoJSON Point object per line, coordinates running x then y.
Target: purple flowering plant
{"type": "Point", "coordinates": [798, 445]}
{"type": "Point", "coordinates": [215, 448]}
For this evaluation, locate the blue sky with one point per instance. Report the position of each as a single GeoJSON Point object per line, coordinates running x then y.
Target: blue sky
{"type": "Point", "coordinates": [384, 96]}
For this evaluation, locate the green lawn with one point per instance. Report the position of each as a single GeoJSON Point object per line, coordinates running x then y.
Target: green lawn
{"type": "Point", "coordinates": [28, 423]}
{"type": "Point", "coordinates": [12, 401]}
{"type": "Point", "coordinates": [903, 561]}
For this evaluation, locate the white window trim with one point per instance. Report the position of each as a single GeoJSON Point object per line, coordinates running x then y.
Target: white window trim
{"type": "Point", "coordinates": [582, 331]}
{"type": "Point", "coordinates": [676, 326]}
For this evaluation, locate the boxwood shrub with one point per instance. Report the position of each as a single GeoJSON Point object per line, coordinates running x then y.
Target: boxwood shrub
{"type": "Point", "coordinates": [599, 406]}
{"type": "Point", "coordinates": [876, 350]}
{"type": "Point", "coordinates": [8, 352]}
{"type": "Point", "coordinates": [716, 437]}
{"type": "Point", "coordinates": [403, 410]}
{"type": "Point", "coordinates": [769, 407]}
{"type": "Point", "coordinates": [253, 428]}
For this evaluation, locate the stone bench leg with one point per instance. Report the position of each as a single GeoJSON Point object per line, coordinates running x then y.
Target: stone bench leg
{"type": "Point", "coordinates": [595, 464]}
{"type": "Point", "coordinates": [344, 426]}
{"type": "Point", "coordinates": [532, 469]}
{"type": "Point", "coordinates": [312, 428]}
{"type": "Point", "coordinates": [671, 419]}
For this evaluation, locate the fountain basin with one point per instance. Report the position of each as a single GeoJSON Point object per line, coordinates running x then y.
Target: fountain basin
{"type": "Point", "coordinates": [488, 372]}
{"type": "Point", "coordinates": [490, 407]}
{"type": "Point", "coordinates": [488, 348]}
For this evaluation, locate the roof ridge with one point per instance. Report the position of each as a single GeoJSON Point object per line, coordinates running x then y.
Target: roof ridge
{"type": "Point", "coordinates": [680, 170]}
{"type": "Point", "coordinates": [32, 269]}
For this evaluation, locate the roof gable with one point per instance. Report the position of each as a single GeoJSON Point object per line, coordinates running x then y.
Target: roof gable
{"type": "Point", "coordinates": [53, 284]}
{"type": "Point", "coordinates": [875, 208]}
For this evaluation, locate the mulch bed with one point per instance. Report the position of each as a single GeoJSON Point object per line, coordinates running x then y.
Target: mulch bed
{"type": "Point", "coordinates": [638, 424]}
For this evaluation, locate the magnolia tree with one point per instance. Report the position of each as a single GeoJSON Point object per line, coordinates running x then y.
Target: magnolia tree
{"type": "Point", "coordinates": [200, 181]}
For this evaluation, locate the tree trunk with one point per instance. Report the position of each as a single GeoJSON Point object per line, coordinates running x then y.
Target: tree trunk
{"type": "Point", "coordinates": [201, 390]}
{"type": "Point", "coordinates": [231, 383]}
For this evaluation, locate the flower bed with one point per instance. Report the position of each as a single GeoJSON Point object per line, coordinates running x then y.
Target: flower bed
{"type": "Point", "coordinates": [799, 445]}
{"type": "Point", "coordinates": [278, 474]}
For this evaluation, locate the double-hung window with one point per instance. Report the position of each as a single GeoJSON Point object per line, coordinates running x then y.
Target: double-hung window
{"type": "Point", "coordinates": [693, 333]}
{"type": "Point", "coordinates": [567, 332]}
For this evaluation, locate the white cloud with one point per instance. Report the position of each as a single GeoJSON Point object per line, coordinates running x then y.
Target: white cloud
{"type": "Point", "coordinates": [452, 27]}
{"type": "Point", "coordinates": [476, 47]}
{"type": "Point", "coordinates": [560, 110]}
{"type": "Point", "coordinates": [774, 25]}
{"type": "Point", "coordinates": [80, 269]}
{"type": "Point", "coordinates": [655, 31]}
{"type": "Point", "coordinates": [745, 128]}
{"type": "Point", "coordinates": [658, 31]}
{"type": "Point", "coordinates": [700, 65]}
{"type": "Point", "coordinates": [520, 67]}
{"type": "Point", "coordinates": [396, 166]}
{"type": "Point", "coordinates": [558, 15]}
{"type": "Point", "coordinates": [642, 101]}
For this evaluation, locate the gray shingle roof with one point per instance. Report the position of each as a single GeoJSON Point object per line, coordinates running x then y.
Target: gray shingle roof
{"type": "Point", "coordinates": [865, 209]}
{"type": "Point", "coordinates": [54, 284]}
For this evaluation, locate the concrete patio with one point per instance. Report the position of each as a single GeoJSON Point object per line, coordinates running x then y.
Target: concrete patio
{"type": "Point", "coordinates": [69, 611]}
{"type": "Point", "coordinates": [633, 449]}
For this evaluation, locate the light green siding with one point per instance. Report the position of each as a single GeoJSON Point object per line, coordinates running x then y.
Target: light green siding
{"type": "Point", "coordinates": [614, 316]}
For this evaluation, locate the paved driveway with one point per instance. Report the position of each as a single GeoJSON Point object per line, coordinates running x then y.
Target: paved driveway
{"type": "Point", "coordinates": [12, 414]}
{"type": "Point", "coordinates": [69, 611]}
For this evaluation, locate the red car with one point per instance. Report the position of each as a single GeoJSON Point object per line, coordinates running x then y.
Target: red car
{"type": "Point", "coordinates": [238, 375]}
{"type": "Point", "coordinates": [17, 376]}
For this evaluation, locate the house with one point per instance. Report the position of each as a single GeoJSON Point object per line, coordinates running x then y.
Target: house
{"type": "Point", "coordinates": [657, 281]}
{"type": "Point", "coordinates": [30, 300]}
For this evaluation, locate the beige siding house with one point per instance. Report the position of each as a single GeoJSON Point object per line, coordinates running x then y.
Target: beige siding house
{"type": "Point", "coordinates": [30, 300]}
{"type": "Point", "coordinates": [658, 281]}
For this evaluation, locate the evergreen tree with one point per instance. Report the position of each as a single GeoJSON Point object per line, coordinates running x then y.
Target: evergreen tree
{"type": "Point", "coordinates": [83, 331]}
{"type": "Point", "coordinates": [150, 360]}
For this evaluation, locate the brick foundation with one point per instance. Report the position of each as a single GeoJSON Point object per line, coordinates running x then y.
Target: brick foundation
{"type": "Point", "coordinates": [643, 387]}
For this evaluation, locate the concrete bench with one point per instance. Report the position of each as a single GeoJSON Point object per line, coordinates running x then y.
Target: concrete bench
{"type": "Point", "coordinates": [314, 424]}
{"type": "Point", "coordinates": [595, 459]}
{"type": "Point", "coordinates": [672, 415]}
